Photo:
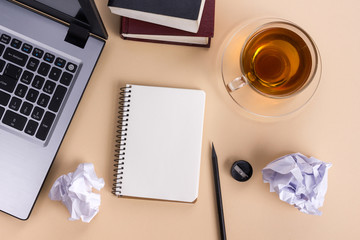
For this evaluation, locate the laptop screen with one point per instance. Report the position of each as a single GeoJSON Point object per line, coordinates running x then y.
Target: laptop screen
{"type": "Point", "coordinates": [70, 7]}
{"type": "Point", "coordinates": [81, 12]}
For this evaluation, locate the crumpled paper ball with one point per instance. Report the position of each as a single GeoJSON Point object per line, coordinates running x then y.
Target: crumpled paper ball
{"type": "Point", "coordinates": [299, 181]}
{"type": "Point", "coordinates": [74, 190]}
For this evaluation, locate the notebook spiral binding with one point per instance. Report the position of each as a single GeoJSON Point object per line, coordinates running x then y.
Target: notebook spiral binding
{"type": "Point", "coordinates": [121, 133]}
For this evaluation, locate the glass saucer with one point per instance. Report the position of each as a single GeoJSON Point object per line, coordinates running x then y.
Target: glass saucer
{"type": "Point", "coordinates": [248, 99]}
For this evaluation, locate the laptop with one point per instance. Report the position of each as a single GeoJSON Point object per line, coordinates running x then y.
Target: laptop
{"type": "Point", "coordinates": [48, 50]}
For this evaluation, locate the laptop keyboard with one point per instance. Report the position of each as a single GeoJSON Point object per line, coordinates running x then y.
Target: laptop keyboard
{"type": "Point", "coordinates": [33, 85]}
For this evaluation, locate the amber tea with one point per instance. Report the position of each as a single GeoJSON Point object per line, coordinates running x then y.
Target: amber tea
{"type": "Point", "coordinates": [276, 61]}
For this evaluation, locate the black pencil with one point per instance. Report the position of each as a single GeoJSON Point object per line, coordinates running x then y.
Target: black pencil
{"type": "Point", "coordinates": [218, 194]}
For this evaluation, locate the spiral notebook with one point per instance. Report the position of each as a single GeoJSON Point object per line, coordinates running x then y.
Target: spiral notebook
{"type": "Point", "coordinates": [159, 143]}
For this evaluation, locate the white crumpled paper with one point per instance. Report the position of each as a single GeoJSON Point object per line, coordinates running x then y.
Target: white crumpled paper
{"type": "Point", "coordinates": [299, 181]}
{"type": "Point", "coordinates": [74, 190]}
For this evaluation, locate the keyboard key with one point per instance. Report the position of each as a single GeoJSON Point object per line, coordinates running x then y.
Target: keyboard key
{"type": "Point", "coordinates": [57, 98]}
{"type": "Point", "coordinates": [71, 67]}
{"type": "Point", "coordinates": [45, 126]}
{"type": "Point", "coordinates": [66, 78]}
{"type": "Point", "coordinates": [21, 90]}
{"type": "Point", "coordinates": [49, 57]}
{"type": "Point", "coordinates": [33, 64]}
{"type": "Point", "coordinates": [49, 87]}
{"type": "Point", "coordinates": [44, 69]}
{"type": "Point", "coordinates": [26, 48]}
{"type": "Point", "coordinates": [55, 73]}
{"type": "Point", "coordinates": [38, 82]}
{"type": "Point", "coordinates": [38, 53]}
{"type": "Point", "coordinates": [31, 127]}
{"type": "Point", "coordinates": [14, 120]}
{"type": "Point", "coordinates": [27, 77]}
{"type": "Point", "coordinates": [4, 98]}
{"type": "Point", "coordinates": [5, 38]}
{"type": "Point", "coordinates": [37, 113]}
{"type": "Point", "coordinates": [2, 47]}
{"type": "Point", "coordinates": [2, 110]}
{"type": "Point", "coordinates": [32, 95]}
{"type": "Point", "coordinates": [15, 103]}
{"type": "Point", "coordinates": [15, 43]}
{"type": "Point", "coordinates": [43, 100]}
{"type": "Point", "coordinates": [12, 71]}
{"type": "Point", "coordinates": [8, 84]}
{"type": "Point", "coordinates": [60, 62]}
{"type": "Point", "coordinates": [2, 65]}
{"type": "Point", "coordinates": [15, 56]}
{"type": "Point", "coordinates": [26, 108]}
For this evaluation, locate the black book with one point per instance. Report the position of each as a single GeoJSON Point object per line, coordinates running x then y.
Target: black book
{"type": "Point", "coordinates": [183, 14]}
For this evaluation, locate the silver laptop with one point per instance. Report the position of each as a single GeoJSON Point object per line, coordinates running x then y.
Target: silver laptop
{"type": "Point", "coordinates": [48, 50]}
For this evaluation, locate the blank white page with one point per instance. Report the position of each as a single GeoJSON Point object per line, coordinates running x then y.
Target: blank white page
{"type": "Point", "coordinates": [163, 143]}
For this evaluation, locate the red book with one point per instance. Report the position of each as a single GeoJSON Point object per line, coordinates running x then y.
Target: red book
{"type": "Point", "coordinates": [132, 29]}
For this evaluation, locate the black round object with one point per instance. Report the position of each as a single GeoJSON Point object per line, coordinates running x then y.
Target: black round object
{"type": "Point", "coordinates": [241, 170]}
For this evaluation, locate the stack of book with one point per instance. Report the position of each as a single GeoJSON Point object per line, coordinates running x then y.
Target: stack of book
{"type": "Point", "coordinates": [182, 22]}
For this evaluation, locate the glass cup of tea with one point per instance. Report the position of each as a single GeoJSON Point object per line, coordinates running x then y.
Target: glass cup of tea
{"type": "Point", "coordinates": [278, 60]}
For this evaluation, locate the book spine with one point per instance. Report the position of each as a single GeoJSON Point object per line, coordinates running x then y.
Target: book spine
{"type": "Point", "coordinates": [124, 26]}
{"type": "Point", "coordinates": [121, 134]}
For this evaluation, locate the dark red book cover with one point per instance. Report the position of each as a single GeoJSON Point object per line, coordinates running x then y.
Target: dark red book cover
{"type": "Point", "coordinates": [206, 29]}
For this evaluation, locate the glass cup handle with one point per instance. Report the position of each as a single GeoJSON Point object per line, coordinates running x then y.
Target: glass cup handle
{"type": "Point", "coordinates": [237, 83]}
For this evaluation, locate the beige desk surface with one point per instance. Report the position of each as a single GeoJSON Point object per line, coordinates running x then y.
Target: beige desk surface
{"type": "Point", "coordinates": [328, 129]}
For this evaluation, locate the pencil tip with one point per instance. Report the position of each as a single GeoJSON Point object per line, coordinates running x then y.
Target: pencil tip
{"type": "Point", "coordinates": [213, 151]}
